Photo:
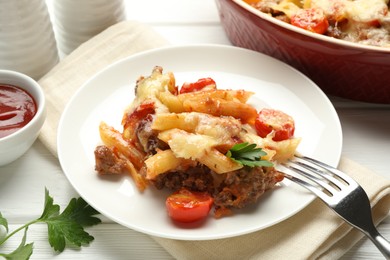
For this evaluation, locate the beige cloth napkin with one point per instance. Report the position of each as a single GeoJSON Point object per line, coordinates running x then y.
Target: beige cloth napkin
{"type": "Point", "coordinates": [315, 232]}
{"type": "Point", "coordinates": [117, 42]}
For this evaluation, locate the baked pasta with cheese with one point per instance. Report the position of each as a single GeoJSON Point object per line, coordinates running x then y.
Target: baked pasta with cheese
{"type": "Point", "coordinates": [361, 21]}
{"type": "Point", "coordinates": [183, 138]}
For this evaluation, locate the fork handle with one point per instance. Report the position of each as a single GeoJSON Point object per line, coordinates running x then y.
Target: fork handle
{"type": "Point", "coordinates": [380, 242]}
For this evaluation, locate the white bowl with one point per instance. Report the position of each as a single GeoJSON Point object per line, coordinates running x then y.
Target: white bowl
{"type": "Point", "coordinates": [16, 144]}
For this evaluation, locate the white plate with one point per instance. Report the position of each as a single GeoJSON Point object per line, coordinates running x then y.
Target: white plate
{"type": "Point", "coordinates": [105, 96]}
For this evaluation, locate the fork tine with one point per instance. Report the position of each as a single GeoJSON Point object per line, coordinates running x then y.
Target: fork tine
{"type": "Point", "coordinates": [346, 178]}
{"type": "Point", "coordinates": [313, 188]}
{"type": "Point", "coordinates": [320, 178]}
{"type": "Point", "coordinates": [320, 173]}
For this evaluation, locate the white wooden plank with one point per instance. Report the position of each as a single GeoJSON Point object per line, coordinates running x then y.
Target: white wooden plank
{"type": "Point", "coordinates": [366, 137]}
{"type": "Point", "coordinates": [112, 241]}
{"type": "Point", "coordinates": [172, 11]}
{"type": "Point", "coordinates": [179, 35]}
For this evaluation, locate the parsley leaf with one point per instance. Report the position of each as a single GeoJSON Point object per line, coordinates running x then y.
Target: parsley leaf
{"type": "Point", "coordinates": [66, 228]}
{"type": "Point", "coordinates": [248, 154]}
{"type": "Point", "coordinates": [50, 209]}
{"type": "Point", "coordinates": [3, 222]}
{"type": "Point", "coordinates": [22, 252]}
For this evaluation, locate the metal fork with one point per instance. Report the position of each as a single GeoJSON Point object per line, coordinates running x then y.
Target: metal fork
{"type": "Point", "coordinates": [339, 192]}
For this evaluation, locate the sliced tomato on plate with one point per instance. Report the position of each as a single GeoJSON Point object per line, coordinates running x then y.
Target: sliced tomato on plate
{"type": "Point", "coordinates": [188, 206]}
{"type": "Point", "coordinates": [269, 120]}
{"type": "Point", "coordinates": [198, 85]}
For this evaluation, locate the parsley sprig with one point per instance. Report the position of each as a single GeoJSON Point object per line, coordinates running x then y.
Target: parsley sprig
{"type": "Point", "coordinates": [248, 154]}
{"type": "Point", "coordinates": [66, 228]}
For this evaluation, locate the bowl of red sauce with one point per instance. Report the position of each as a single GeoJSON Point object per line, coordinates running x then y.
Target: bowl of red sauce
{"type": "Point", "coordinates": [22, 114]}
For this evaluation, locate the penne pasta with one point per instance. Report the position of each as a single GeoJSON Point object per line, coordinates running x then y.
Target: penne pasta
{"type": "Point", "coordinates": [139, 180]}
{"type": "Point", "coordinates": [241, 96]}
{"type": "Point", "coordinates": [218, 162]}
{"type": "Point", "coordinates": [172, 102]}
{"type": "Point", "coordinates": [175, 102]}
{"type": "Point", "coordinates": [187, 145]}
{"type": "Point", "coordinates": [221, 107]}
{"type": "Point", "coordinates": [168, 121]}
{"type": "Point", "coordinates": [113, 138]}
{"type": "Point", "coordinates": [164, 161]}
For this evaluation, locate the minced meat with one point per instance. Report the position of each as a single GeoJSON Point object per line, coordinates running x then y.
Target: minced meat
{"type": "Point", "coordinates": [107, 162]}
{"type": "Point", "coordinates": [197, 178]}
{"type": "Point", "coordinates": [243, 187]}
{"type": "Point", "coordinates": [234, 190]}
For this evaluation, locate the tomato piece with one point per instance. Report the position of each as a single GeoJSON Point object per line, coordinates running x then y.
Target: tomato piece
{"type": "Point", "coordinates": [131, 120]}
{"type": "Point", "coordinates": [188, 206]}
{"type": "Point", "coordinates": [312, 19]}
{"type": "Point", "coordinates": [144, 109]}
{"type": "Point", "coordinates": [196, 86]}
{"type": "Point", "coordinates": [269, 120]}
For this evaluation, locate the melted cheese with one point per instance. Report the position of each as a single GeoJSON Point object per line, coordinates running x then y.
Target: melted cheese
{"type": "Point", "coordinates": [336, 9]}
{"type": "Point", "coordinates": [366, 10]}
{"type": "Point", "coordinates": [187, 145]}
{"type": "Point", "coordinates": [150, 87]}
{"type": "Point", "coordinates": [357, 10]}
{"type": "Point", "coordinates": [200, 133]}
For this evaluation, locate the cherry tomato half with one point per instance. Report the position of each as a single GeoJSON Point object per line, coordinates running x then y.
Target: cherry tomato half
{"type": "Point", "coordinates": [269, 120]}
{"type": "Point", "coordinates": [312, 19]}
{"type": "Point", "coordinates": [196, 86]}
{"type": "Point", "coordinates": [188, 206]}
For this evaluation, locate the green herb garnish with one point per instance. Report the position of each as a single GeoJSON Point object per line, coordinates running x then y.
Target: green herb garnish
{"type": "Point", "coordinates": [64, 229]}
{"type": "Point", "coordinates": [249, 155]}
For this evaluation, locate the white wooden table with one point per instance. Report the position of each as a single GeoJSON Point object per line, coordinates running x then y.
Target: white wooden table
{"type": "Point", "coordinates": [366, 129]}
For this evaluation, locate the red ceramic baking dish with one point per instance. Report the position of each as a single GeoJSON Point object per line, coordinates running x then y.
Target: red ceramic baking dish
{"type": "Point", "coordinates": [340, 68]}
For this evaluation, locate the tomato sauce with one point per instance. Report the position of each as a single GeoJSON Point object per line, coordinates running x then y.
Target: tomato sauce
{"type": "Point", "coordinates": [17, 108]}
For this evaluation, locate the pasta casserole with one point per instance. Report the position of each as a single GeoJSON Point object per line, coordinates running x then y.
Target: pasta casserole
{"type": "Point", "coordinates": [361, 21]}
{"type": "Point", "coordinates": [199, 139]}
